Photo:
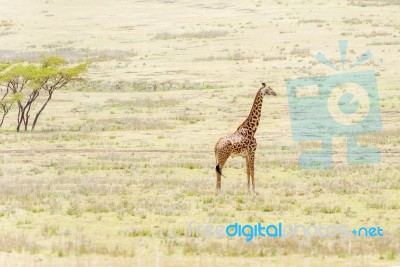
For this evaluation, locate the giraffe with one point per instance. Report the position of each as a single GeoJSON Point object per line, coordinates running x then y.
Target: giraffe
{"type": "Point", "coordinates": [242, 142]}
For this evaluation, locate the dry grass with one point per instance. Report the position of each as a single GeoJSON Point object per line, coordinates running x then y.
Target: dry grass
{"type": "Point", "coordinates": [141, 85]}
{"type": "Point", "coordinates": [70, 54]}
{"type": "Point", "coordinates": [190, 35]}
{"type": "Point", "coordinates": [121, 162]}
{"type": "Point", "coordinates": [235, 56]}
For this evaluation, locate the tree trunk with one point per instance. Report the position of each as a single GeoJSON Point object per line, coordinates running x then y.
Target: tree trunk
{"type": "Point", "coordinates": [5, 112]}
{"type": "Point", "coordinates": [19, 124]}
{"type": "Point", "coordinates": [40, 110]}
{"type": "Point", "coordinates": [2, 119]}
{"type": "Point", "coordinates": [20, 116]}
{"type": "Point", "coordinates": [26, 123]}
{"type": "Point", "coordinates": [23, 113]}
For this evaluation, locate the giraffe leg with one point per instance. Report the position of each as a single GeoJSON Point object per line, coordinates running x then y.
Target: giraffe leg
{"type": "Point", "coordinates": [248, 172]}
{"type": "Point", "coordinates": [251, 164]}
{"type": "Point", "coordinates": [218, 185]}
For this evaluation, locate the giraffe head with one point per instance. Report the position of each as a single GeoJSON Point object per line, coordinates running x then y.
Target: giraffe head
{"type": "Point", "coordinates": [266, 90]}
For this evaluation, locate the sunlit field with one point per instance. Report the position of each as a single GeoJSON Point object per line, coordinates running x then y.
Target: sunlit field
{"type": "Point", "coordinates": [122, 160]}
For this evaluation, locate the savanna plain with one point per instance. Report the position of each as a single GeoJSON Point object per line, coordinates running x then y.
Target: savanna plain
{"type": "Point", "coordinates": [123, 159]}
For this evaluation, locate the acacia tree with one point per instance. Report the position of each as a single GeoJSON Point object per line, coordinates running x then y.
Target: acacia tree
{"type": "Point", "coordinates": [27, 81]}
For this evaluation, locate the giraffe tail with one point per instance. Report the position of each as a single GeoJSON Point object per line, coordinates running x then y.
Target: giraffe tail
{"type": "Point", "coordinates": [218, 169]}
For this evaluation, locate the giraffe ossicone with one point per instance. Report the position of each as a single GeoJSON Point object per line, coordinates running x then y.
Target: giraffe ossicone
{"type": "Point", "coordinates": [242, 142]}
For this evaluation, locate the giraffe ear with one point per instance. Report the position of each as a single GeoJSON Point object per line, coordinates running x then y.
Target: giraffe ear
{"type": "Point", "coordinates": [263, 84]}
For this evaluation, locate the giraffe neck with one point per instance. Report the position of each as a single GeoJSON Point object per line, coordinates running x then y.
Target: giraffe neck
{"type": "Point", "coordinates": [252, 121]}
